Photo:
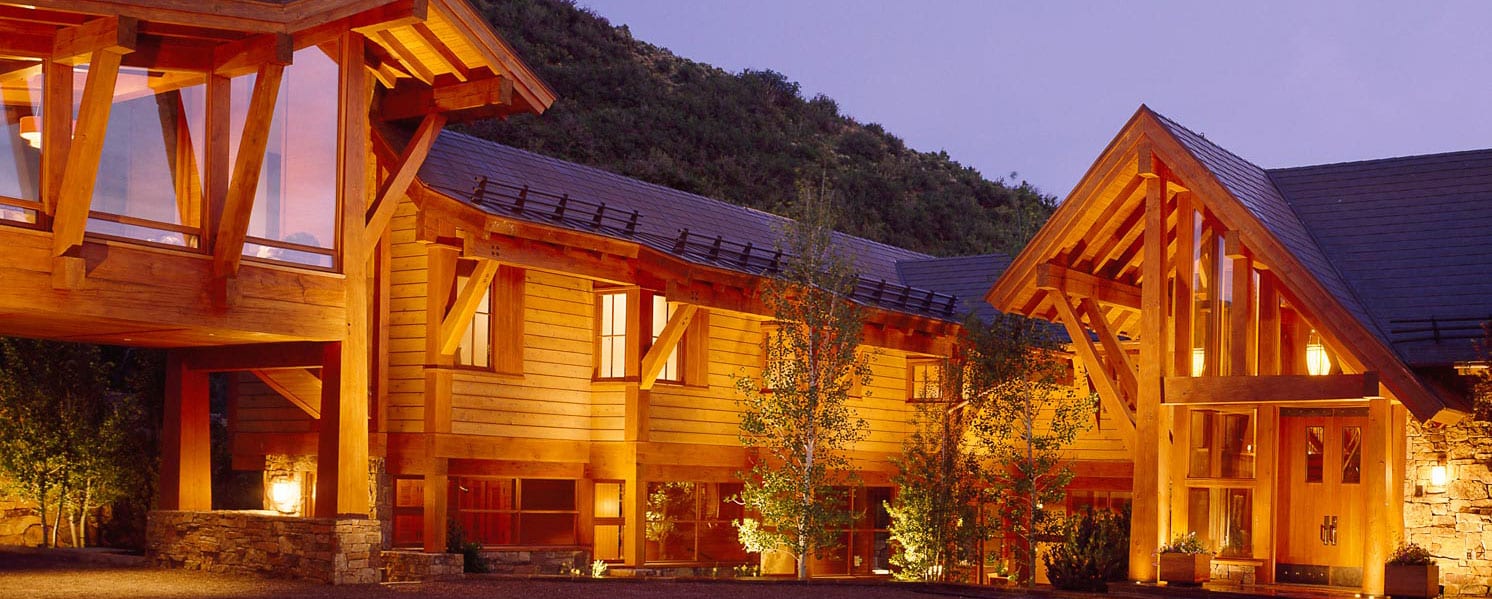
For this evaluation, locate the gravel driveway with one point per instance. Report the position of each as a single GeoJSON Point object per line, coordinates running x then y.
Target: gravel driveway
{"type": "Point", "coordinates": [27, 573]}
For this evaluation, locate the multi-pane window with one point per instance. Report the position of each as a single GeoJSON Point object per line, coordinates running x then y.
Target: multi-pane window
{"type": "Point", "coordinates": [476, 342]}
{"type": "Point", "coordinates": [924, 381]}
{"type": "Point", "coordinates": [608, 524]}
{"type": "Point", "coordinates": [409, 511]}
{"type": "Point", "coordinates": [509, 511]}
{"type": "Point", "coordinates": [611, 357]}
{"type": "Point", "coordinates": [864, 548]}
{"type": "Point", "coordinates": [662, 311]}
{"type": "Point", "coordinates": [20, 142]}
{"type": "Point", "coordinates": [1222, 444]}
{"type": "Point", "coordinates": [691, 522]}
{"type": "Point", "coordinates": [1222, 518]}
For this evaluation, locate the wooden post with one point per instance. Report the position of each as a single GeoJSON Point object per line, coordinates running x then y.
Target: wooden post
{"type": "Point", "coordinates": [1152, 490]}
{"type": "Point", "coordinates": [186, 448]}
{"type": "Point", "coordinates": [634, 510]}
{"type": "Point", "coordinates": [75, 192]}
{"type": "Point", "coordinates": [57, 134]}
{"type": "Point", "coordinates": [1269, 326]}
{"type": "Point", "coordinates": [216, 168]}
{"type": "Point", "coordinates": [1378, 475]}
{"type": "Point", "coordinates": [440, 276]}
{"type": "Point", "coordinates": [342, 465]}
{"type": "Point", "coordinates": [1183, 300]}
{"type": "Point", "coordinates": [1266, 462]}
{"type": "Point", "coordinates": [437, 500]}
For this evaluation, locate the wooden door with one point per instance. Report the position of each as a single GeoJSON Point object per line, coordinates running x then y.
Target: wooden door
{"type": "Point", "coordinates": [1321, 497]}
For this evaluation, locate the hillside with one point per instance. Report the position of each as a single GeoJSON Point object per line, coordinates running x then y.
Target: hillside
{"type": "Point", "coordinates": [747, 138]}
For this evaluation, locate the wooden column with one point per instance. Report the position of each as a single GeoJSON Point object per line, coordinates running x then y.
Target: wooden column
{"type": "Point", "coordinates": [57, 134]}
{"type": "Point", "coordinates": [437, 500]}
{"type": "Point", "coordinates": [1378, 475]}
{"type": "Point", "coordinates": [186, 448]}
{"type": "Point", "coordinates": [344, 433]}
{"type": "Point", "coordinates": [440, 277]}
{"type": "Point", "coordinates": [636, 422]}
{"type": "Point", "coordinates": [216, 168]}
{"type": "Point", "coordinates": [1269, 326]}
{"type": "Point", "coordinates": [1183, 298]}
{"type": "Point", "coordinates": [1152, 491]}
{"type": "Point", "coordinates": [634, 510]}
{"type": "Point", "coordinates": [1266, 462]}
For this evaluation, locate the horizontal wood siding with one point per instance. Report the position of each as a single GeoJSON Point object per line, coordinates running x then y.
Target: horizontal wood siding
{"type": "Point", "coordinates": [883, 403]}
{"type": "Point", "coordinates": [553, 398]}
{"type": "Point", "coordinates": [406, 405]}
{"type": "Point", "coordinates": [259, 409]}
{"type": "Point", "coordinates": [710, 415]}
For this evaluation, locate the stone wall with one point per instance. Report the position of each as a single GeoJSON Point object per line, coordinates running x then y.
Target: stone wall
{"type": "Point", "coordinates": [550, 561]}
{"type": "Point", "coordinates": [414, 566]}
{"type": "Point", "coordinates": [1453, 521]}
{"type": "Point", "coordinates": [335, 551]}
{"type": "Point", "coordinates": [302, 470]}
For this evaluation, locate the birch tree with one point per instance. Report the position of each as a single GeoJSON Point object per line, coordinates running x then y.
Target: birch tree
{"type": "Point", "coordinates": [796, 413]}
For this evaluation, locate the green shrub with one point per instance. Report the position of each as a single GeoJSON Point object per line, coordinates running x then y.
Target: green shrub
{"type": "Point", "coordinates": [1094, 551]}
{"type": "Point", "coordinates": [471, 550]}
{"type": "Point", "coordinates": [1188, 544]}
{"type": "Point", "coordinates": [1410, 554]}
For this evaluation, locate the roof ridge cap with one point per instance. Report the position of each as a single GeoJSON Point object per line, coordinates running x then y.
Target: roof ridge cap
{"type": "Point", "coordinates": [1383, 159]}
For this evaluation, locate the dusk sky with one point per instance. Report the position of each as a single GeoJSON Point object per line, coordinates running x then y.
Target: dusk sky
{"type": "Point", "coordinates": [1040, 88]}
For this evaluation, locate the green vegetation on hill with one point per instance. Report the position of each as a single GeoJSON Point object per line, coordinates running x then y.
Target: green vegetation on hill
{"type": "Point", "coordinates": [636, 109]}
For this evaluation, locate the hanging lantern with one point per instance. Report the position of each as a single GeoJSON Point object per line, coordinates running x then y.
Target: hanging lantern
{"type": "Point", "coordinates": [1317, 362]}
{"type": "Point", "coordinates": [1199, 361]}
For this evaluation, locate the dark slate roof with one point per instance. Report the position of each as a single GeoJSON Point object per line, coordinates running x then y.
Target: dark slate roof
{"type": "Point", "coordinates": [1413, 235]}
{"type": "Point", "coordinates": [968, 277]}
{"type": "Point", "coordinates": [517, 183]}
{"type": "Point", "coordinates": [1398, 241]}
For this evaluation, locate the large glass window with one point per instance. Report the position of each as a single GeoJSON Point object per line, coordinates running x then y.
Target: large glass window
{"type": "Point", "coordinates": [149, 184]}
{"type": "Point", "coordinates": [611, 360]}
{"type": "Point", "coordinates": [608, 522]}
{"type": "Point", "coordinates": [1222, 519]}
{"type": "Point", "coordinates": [1222, 444]}
{"type": "Point", "coordinates": [295, 204]}
{"type": "Point", "coordinates": [662, 311]}
{"type": "Point", "coordinates": [507, 511]}
{"type": "Point", "coordinates": [20, 140]}
{"type": "Point", "coordinates": [475, 349]}
{"type": "Point", "coordinates": [692, 522]}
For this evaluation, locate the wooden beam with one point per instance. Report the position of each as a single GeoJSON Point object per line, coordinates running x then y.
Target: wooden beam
{"type": "Point", "coordinates": [1378, 478]}
{"type": "Point", "coordinates": [1108, 388]}
{"type": "Point", "coordinates": [1077, 284]}
{"type": "Point", "coordinates": [1242, 344]}
{"type": "Point", "coordinates": [258, 356]}
{"type": "Point", "coordinates": [56, 134]}
{"type": "Point", "coordinates": [1117, 357]}
{"type": "Point", "coordinates": [297, 385]}
{"type": "Point", "coordinates": [186, 449]}
{"type": "Point", "coordinates": [248, 54]}
{"type": "Point", "coordinates": [1183, 300]}
{"type": "Point", "coordinates": [667, 341]}
{"type": "Point", "coordinates": [76, 192]}
{"type": "Point", "coordinates": [403, 55]}
{"type": "Point", "coordinates": [456, 321]}
{"type": "Point", "coordinates": [442, 51]}
{"type": "Point", "coordinates": [1269, 326]}
{"type": "Point", "coordinates": [402, 175]}
{"type": "Point", "coordinates": [239, 204]}
{"type": "Point", "coordinates": [1152, 481]}
{"type": "Point", "coordinates": [115, 35]}
{"type": "Point", "coordinates": [412, 101]}
{"type": "Point", "coordinates": [1284, 388]}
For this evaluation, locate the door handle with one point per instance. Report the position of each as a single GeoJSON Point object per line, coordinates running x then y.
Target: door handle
{"type": "Point", "coordinates": [1333, 530]}
{"type": "Point", "coordinates": [1325, 532]}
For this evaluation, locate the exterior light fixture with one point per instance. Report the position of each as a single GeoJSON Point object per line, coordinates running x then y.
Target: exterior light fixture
{"type": "Point", "coordinates": [1439, 473]}
{"type": "Point", "coordinates": [285, 496]}
{"type": "Point", "coordinates": [31, 130]}
{"type": "Point", "coordinates": [1317, 362]}
{"type": "Point", "coordinates": [1199, 361]}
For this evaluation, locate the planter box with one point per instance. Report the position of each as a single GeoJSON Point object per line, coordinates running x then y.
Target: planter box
{"type": "Point", "coordinates": [1185, 568]}
{"type": "Point", "coordinates": [1411, 581]}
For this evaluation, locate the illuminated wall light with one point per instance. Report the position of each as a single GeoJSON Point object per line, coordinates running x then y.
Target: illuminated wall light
{"type": "Point", "coordinates": [31, 130]}
{"type": "Point", "coordinates": [1317, 362]}
{"type": "Point", "coordinates": [1199, 361]}
{"type": "Point", "coordinates": [285, 495]}
{"type": "Point", "coordinates": [1438, 475]}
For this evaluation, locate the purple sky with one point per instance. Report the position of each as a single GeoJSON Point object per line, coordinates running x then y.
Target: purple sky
{"type": "Point", "coordinates": [1040, 87]}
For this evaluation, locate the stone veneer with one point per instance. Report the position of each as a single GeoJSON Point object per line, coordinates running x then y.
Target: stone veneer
{"type": "Point", "coordinates": [415, 566]}
{"type": "Point", "coordinates": [539, 561]}
{"type": "Point", "coordinates": [1455, 521]}
{"type": "Point", "coordinates": [335, 551]}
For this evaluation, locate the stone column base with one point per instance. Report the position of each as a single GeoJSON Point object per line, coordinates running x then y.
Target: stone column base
{"type": "Point", "coordinates": [327, 550]}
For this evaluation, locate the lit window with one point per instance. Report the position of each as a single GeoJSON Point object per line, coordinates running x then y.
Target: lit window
{"type": "Point", "coordinates": [20, 142]}
{"type": "Point", "coordinates": [476, 342]}
{"type": "Point", "coordinates": [608, 523]}
{"type": "Point", "coordinates": [1222, 444]}
{"type": "Point", "coordinates": [662, 311]}
{"type": "Point", "coordinates": [691, 522]}
{"type": "Point", "coordinates": [925, 381]}
{"type": "Point", "coordinates": [611, 361]}
{"type": "Point", "coordinates": [507, 511]}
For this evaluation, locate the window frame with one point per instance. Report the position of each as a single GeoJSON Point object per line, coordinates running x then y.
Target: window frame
{"type": "Point", "coordinates": [678, 355]}
{"type": "Point", "coordinates": [464, 269]}
{"type": "Point", "coordinates": [600, 337]}
{"type": "Point", "coordinates": [915, 388]}
{"type": "Point", "coordinates": [453, 508]}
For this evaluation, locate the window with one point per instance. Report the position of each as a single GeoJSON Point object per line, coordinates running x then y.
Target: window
{"type": "Point", "coordinates": [662, 311]}
{"type": "Point", "coordinates": [149, 183]}
{"type": "Point", "coordinates": [1223, 519]}
{"type": "Point", "coordinates": [691, 522]}
{"type": "Point", "coordinates": [20, 141]}
{"type": "Point", "coordinates": [409, 511]}
{"type": "Point", "coordinates": [924, 381]}
{"type": "Point", "coordinates": [864, 548]}
{"type": "Point", "coordinates": [508, 511]}
{"type": "Point", "coordinates": [1351, 455]}
{"type": "Point", "coordinates": [608, 523]}
{"type": "Point", "coordinates": [476, 342]}
{"type": "Point", "coordinates": [611, 359]}
{"type": "Point", "coordinates": [1315, 448]}
{"type": "Point", "coordinates": [1222, 444]}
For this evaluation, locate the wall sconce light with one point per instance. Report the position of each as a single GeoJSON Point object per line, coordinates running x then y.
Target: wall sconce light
{"type": "Point", "coordinates": [1317, 362]}
{"type": "Point", "coordinates": [285, 496]}
{"type": "Point", "coordinates": [1439, 473]}
{"type": "Point", "coordinates": [1199, 361]}
{"type": "Point", "coordinates": [31, 130]}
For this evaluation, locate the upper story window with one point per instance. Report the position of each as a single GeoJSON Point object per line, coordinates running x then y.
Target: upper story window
{"type": "Point", "coordinates": [476, 342]}
{"type": "Point", "coordinates": [924, 380]}
{"type": "Point", "coordinates": [149, 183]}
{"type": "Point", "coordinates": [611, 357]}
{"type": "Point", "coordinates": [295, 203]}
{"type": "Point", "coordinates": [20, 141]}
{"type": "Point", "coordinates": [662, 311]}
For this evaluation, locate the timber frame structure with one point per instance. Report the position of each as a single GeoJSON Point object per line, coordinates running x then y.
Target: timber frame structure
{"type": "Point", "coordinates": [1266, 367]}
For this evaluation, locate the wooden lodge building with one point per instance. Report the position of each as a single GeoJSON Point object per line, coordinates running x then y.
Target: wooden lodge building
{"type": "Point", "coordinates": [1287, 348]}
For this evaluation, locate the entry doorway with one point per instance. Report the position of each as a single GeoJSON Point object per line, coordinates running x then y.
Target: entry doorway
{"type": "Point", "coordinates": [1321, 511]}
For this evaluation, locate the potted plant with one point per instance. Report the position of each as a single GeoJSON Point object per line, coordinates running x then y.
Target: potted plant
{"type": "Point", "coordinates": [1185, 561]}
{"type": "Point", "coordinates": [1411, 572]}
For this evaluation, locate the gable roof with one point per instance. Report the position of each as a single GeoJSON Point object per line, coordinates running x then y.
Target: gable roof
{"type": "Point", "coordinates": [696, 228]}
{"type": "Point", "coordinates": [966, 277]}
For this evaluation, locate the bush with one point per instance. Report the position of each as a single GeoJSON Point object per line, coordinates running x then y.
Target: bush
{"type": "Point", "coordinates": [1094, 551]}
{"type": "Point", "coordinates": [1188, 544]}
{"type": "Point", "coordinates": [470, 550]}
{"type": "Point", "coordinates": [1410, 554]}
